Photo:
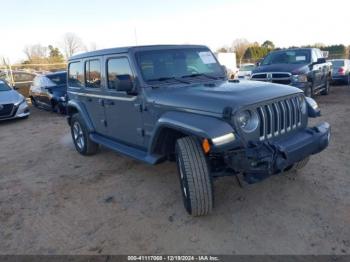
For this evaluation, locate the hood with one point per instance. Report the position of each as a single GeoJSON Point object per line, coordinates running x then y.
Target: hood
{"type": "Point", "coordinates": [10, 97]}
{"type": "Point", "coordinates": [214, 99]}
{"type": "Point", "coordinates": [290, 68]}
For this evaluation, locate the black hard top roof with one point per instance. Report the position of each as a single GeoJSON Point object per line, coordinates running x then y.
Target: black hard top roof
{"type": "Point", "coordinates": [119, 50]}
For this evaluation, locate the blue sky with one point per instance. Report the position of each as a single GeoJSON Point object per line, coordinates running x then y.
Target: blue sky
{"type": "Point", "coordinates": [108, 23]}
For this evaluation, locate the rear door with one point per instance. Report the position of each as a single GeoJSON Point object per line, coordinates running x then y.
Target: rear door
{"type": "Point", "coordinates": [123, 110]}
{"type": "Point", "coordinates": [85, 77]}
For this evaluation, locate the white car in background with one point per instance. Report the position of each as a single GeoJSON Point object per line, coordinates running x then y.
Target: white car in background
{"type": "Point", "coordinates": [12, 104]}
{"type": "Point", "coordinates": [245, 71]}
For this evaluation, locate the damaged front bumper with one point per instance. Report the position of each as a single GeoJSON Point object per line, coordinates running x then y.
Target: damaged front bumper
{"type": "Point", "coordinates": [262, 159]}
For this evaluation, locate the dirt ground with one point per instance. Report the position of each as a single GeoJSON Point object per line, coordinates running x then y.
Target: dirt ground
{"type": "Point", "coordinates": [55, 201]}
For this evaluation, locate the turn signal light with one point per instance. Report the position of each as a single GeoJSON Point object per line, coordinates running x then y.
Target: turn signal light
{"type": "Point", "coordinates": [206, 146]}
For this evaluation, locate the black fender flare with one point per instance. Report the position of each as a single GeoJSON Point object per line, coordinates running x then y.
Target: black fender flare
{"type": "Point", "coordinates": [76, 106]}
{"type": "Point", "coordinates": [190, 124]}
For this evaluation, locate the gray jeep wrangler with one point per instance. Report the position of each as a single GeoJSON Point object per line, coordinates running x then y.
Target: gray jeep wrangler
{"type": "Point", "coordinates": [156, 103]}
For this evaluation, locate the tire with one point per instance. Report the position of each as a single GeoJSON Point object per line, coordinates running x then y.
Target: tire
{"type": "Point", "coordinates": [194, 175]}
{"type": "Point", "coordinates": [80, 135]}
{"type": "Point", "coordinates": [326, 88]}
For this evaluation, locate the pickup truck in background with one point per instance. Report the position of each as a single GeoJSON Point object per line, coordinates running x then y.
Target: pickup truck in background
{"type": "Point", "coordinates": [305, 68]}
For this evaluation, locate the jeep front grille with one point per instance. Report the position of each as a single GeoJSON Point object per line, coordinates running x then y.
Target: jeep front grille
{"type": "Point", "coordinates": [6, 110]}
{"type": "Point", "coordinates": [279, 117]}
{"type": "Point", "coordinates": [277, 77]}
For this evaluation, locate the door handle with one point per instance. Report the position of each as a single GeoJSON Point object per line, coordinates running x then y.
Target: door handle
{"type": "Point", "coordinates": [89, 99]}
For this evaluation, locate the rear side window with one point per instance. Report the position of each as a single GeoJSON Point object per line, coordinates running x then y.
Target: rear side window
{"type": "Point", "coordinates": [93, 74]}
{"type": "Point", "coordinates": [118, 69]}
{"type": "Point", "coordinates": [75, 74]}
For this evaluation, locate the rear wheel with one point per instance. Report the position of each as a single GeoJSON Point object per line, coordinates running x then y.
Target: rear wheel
{"type": "Point", "coordinates": [195, 180]}
{"type": "Point", "coordinates": [80, 135]}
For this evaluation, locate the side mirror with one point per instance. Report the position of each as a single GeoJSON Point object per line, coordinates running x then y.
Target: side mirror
{"type": "Point", "coordinates": [15, 87]}
{"type": "Point", "coordinates": [124, 83]}
{"type": "Point", "coordinates": [257, 64]}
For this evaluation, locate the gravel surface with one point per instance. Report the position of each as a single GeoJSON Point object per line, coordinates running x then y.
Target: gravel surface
{"type": "Point", "coordinates": [55, 201]}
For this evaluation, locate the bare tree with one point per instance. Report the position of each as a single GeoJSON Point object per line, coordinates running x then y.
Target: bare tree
{"type": "Point", "coordinates": [72, 44]}
{"type": "Point", "coordinates": [35, 52]}
{"type": "Point", "coordinates": [240, 46]}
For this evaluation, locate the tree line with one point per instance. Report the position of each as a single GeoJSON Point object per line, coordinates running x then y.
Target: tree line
{"type": "Point", "coordinates": [252, 52]}
{"type": "Point", "coordinates": [40, 57]}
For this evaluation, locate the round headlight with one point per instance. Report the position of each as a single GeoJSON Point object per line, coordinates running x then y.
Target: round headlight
{"type": "Point", "coordinates": [248, 120]}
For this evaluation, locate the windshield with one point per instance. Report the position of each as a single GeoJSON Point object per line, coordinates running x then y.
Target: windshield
{"type": "Point", "coordinates": [4, 86]}
{"type": "Point", "coordinates": [287, 57]}
{"type": "Point", "coordinates": [178, 63]}
{"type": "Point", "coordinates": [58, 79]}
{"type": "Point", "coordinates": [337, 63]}
{"type": "Point", "coordinates": [247, 67]}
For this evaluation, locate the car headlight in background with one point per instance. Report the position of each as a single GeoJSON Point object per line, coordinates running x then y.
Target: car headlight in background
{"type": "Point", "coordinates": [21, 101]}
{"type": "Point", "coordinates": [299, 78]}
{"type": "Point", "coordinates": [248, 120]}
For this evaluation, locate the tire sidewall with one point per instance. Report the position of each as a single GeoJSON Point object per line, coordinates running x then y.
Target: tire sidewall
{"type": "Point", "coordinates": [76, 118]}
{"type": "Point", "coordinates": [183, 181]}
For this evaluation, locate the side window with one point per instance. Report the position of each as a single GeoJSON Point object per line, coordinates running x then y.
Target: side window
{"type": "Point", "coordinates": [118, 69]}
{"type": "Point", "coordinates": [93, 73]}
{"type": "Point", "coordinates": [75, 74]}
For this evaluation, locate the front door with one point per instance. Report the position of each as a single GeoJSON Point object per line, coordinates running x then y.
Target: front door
{"type": "Point", "coordinates": [123, 111]}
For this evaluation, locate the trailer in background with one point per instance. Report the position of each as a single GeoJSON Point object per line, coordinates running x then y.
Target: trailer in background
{"type": "Point", "coordinates": [229, 61]}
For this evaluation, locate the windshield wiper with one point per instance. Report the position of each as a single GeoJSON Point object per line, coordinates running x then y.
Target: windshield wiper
{"type": "Point", "coordinates": [162, 79]}
{"type": "Point", "coordinates": [201, 74]}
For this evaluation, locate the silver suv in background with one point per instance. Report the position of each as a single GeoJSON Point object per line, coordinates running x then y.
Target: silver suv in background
{"type": "Point", "coordinates": [341, 70]}
{"type": "Point", "coordinates": [12, 104]}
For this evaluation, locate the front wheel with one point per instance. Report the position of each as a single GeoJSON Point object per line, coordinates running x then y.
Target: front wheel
{"type": "Point", "coordinates": [80, 135]}
{"type": "Point", "coordinates": [195, 180]}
